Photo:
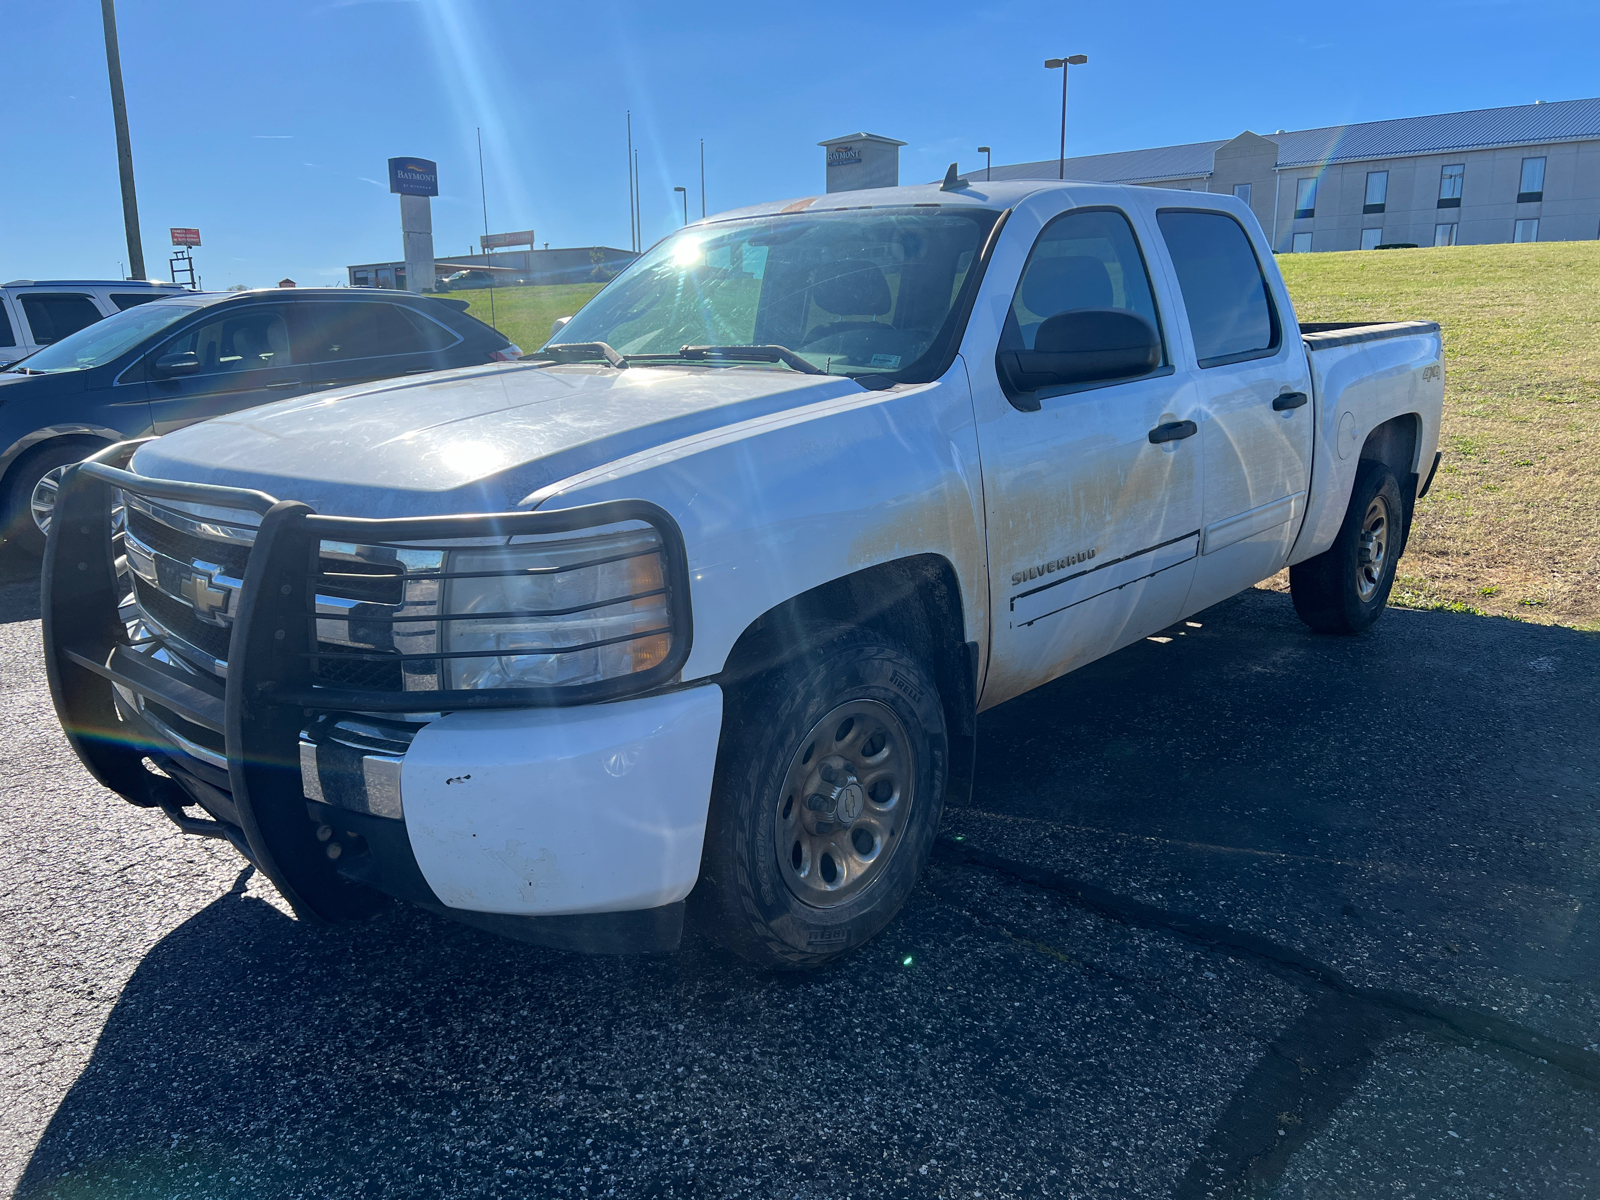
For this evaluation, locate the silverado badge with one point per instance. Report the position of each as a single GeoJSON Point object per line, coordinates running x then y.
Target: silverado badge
{"type": "Point", "coordinates": [1054, 565]}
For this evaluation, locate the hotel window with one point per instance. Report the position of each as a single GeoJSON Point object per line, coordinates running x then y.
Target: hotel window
{"type": "Point", "coordinates": [1377, 191]}
{"type": "Point", "coordinates": [1527, 231]}
{"type": "Point", "coordinates": [1450, 179]}
{"type": "Point", "coordinates": [1444, 235]}
{"type": "Point", "coordinates": [1301, 244]}
{"type": "Point", "coordinates": [1242, 190]}
{"type": "Point", "coordinates": [1532, 189]}
{"type": "Point", "coordinates": [1305, 198]}
{"type": "Point", "coordinates": [1370, 238]}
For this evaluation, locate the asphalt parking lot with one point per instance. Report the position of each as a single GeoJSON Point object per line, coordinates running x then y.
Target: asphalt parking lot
{"type": "Point", "coordinates": [1244, 912]}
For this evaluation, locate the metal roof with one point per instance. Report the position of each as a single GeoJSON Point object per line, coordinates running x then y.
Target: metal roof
{"type": "Point", "coordinates": [862, 137]}
{"type": "Point", "coordinates": [1125, 166]}
{"type": "Point", "coordinates": [1479, 129]}
{"type": "Point", "coordinates": [1445, 133]}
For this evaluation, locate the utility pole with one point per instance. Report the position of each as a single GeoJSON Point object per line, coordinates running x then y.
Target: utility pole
{"type": "Point", "coordinates": [119, 115]}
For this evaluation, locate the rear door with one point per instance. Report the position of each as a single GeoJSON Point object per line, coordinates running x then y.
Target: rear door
{"type": "Point", "coordinates": [1092, 527]}
{"type": "Point", "coordinates": [245, 358]}
{"type": "Point", "coordinates": [1254, 389]}
{"type": "Point", "coordinates": [350, 341]}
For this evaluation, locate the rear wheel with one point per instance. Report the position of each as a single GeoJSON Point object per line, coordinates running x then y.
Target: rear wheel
{"type": "Point", "coordinates": [830, 782]}
{"type": "Point", "coordinates": [1345, 588]}
{"type": "Point", "coordinates": [31, 487]}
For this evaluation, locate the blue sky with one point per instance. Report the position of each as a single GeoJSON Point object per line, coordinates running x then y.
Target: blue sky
{"type": "Point", "coordinates": [268, 125]}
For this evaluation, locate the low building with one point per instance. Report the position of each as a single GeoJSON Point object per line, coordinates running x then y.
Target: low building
{"type": "Point", "coordinates": [570, 264]}
{"type": "Point", "coordinates": [1521, 174]}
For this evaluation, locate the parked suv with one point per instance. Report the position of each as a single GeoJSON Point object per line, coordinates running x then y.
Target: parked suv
{"type": "Point", "coordinates": [184, 357]}
{"type": "Point", "coordinates": [38, 312]}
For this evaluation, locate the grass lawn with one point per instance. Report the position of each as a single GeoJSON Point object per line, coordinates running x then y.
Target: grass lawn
{"type": "Point", "coordinates": [525, 314]}
{"type": "Point", "coordinates": [1512, 524]}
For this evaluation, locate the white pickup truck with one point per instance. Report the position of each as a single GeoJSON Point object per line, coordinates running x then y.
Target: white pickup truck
{"type": "Point", "coordinates": [699, 604]}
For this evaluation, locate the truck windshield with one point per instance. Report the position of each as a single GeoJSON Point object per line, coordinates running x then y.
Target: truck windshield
{"type": "Point", "coordinates": [96, 344]}
{"type": "Point", "coordinates": [865, 292]}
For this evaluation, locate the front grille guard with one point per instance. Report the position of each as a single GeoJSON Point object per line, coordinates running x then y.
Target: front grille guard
{"type": "Point", "coordinates": [271, 689]}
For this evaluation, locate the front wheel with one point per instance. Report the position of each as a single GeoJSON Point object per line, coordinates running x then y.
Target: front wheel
{"type": "Point", "coordinates": [1345, 588]}
{"type": "Point", "coordinates": [829, 786]}
{"type": "Point", "coordinates": [31, 491]}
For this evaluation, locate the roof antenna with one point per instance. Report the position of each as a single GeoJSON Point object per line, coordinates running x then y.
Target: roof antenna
{"type": "Point", "coordinates": [952, 181]}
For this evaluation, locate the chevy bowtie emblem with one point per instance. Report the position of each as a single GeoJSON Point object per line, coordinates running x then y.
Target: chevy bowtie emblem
{"type": "Point", "coordinates": [200, 589]}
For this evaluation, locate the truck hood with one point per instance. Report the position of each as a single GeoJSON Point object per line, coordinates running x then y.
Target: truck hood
{"type": "Point", "coordinates": [478, 439]}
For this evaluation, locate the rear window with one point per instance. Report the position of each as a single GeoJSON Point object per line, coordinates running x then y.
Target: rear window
{"type": "Point", "coordinates": [1231, 314]}
{"type": "Point", "coordinates": [55, 315]}
{"type": "Point", "coordinates": [126, 300]}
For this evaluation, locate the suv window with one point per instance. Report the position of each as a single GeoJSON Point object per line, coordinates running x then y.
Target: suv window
{"type": "Point", "coordinates": [7, 338]}
{"type": "Point", "coordinates": [1231, 314]}
{"type": "Point", "coordinates": [126, 300]}
{"type": "Point", "coordinates": [245, 339]}
{"type": "Point", "coordinates": [54, 315]}
{"type": "Point", "coordinates": [343, 330]}
{"type": "Point", "coordinates": [1083, 259]}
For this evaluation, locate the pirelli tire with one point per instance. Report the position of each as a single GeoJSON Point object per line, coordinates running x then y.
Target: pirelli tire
{"type": "Point", "coordinates": [1346, 587]}
{"type": "Point", "coordinates": [829, 787]}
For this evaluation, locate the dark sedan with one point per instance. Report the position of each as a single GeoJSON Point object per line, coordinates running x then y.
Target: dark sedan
{"type": "Point", "coordinates": [172, 362]}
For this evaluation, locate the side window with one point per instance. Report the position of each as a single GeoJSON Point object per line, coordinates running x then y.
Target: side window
{"type": "Point", "coordinates": [1231, 313]}
{"type": "Point", "coordinates": [126, 300]}
{"type": "Point", "coordinates": [342, 331]}
{"type": "Point", "coordinates": [7, 338]}
{"type": "Point", "coordinates": [1082, 260]}
{"type": "Point", "coordinates": [54, 316]}
{"type": "Point", "coordinates": [245, 339]}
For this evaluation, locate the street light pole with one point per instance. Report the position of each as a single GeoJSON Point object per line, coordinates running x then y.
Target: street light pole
{"type": "Point", "coordinates": [702, 178]}
{"type": "Point", "coordinates": [119, 116]}
{"type": "Point", "coordinates": [988, 162]}
{"type": "Point", "coordinates": [685, 192]}
{"type": "Point", "coordinates": [1072, 60]}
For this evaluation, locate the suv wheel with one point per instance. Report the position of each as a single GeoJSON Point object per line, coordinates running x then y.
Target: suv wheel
{"type": "Point", "coordinates": [31, 491]}
{"type": "Point", "coordinates": [829, 786]}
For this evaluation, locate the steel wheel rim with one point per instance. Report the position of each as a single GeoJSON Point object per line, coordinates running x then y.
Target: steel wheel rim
{"type": "Point", "coordinates": [1372, 549]}
{"type": "Point", "coordinates": [42, 504]}
{"type": "Point", "coordinates": [842, 811]}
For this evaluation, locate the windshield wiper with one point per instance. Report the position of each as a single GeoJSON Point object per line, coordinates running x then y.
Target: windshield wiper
{"type": "Point", "coordinates": [22, 371]}
{"type": "Point", "coordinates": [565, 352]}
{"type": "Point", "coordinates": [774, 354]}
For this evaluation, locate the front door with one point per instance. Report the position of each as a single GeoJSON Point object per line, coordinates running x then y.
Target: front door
{"type": "Point", "coordinates": [1092, 526]}
{"type": "Point", "coordinates": [243, 358]}
{"type": "Point", "coordinates": [1254, 388]}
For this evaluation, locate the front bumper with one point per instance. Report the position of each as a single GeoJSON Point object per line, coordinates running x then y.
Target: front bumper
{"type": "Point", "coordinates": [575, 818]}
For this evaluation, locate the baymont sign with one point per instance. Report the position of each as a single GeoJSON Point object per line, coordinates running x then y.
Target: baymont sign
{"type": "Point", "coordinates": [413, 177]}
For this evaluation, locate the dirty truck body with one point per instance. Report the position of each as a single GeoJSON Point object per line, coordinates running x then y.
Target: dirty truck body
{"type": "Point", "coordinates": [702, 601]}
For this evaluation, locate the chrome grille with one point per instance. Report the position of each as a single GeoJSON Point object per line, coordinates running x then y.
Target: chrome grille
{"type": "Point", "coordinates": [373, 603]}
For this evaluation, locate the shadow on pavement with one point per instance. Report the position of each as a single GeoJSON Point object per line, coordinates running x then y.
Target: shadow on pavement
{"type": "Point", "coordinates": [1415, 808]}
{"type": "Point", "coordinates": [19, 585]}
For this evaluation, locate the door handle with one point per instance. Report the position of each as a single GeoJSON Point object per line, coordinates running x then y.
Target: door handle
{"type": "Point", "coordinates": [1173, 431]}
{"type": "Point", "coordinates": [1288, 400]}
{"type": "Point", "coordinates": [287, 383]}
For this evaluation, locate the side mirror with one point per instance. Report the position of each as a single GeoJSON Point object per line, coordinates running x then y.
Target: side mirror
{"type": "Point", "coordinates": [1085, 345]}
{"type": "Point", "coordinates": [560, 324]}
{"type": "Point", "coordinates": [169, 365]}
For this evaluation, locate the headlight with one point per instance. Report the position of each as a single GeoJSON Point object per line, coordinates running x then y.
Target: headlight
{"type": "Point", "coordinates": [577, 610]}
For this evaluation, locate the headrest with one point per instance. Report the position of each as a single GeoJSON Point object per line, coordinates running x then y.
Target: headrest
{"type": "Point", "coordinates": [1055, 285]}
{"type": "Point", "coordinates": [851, 288]}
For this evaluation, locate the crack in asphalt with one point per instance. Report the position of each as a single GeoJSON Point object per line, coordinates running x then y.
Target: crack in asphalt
{"type": "Point", "coordinates": [1315, 1064]}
